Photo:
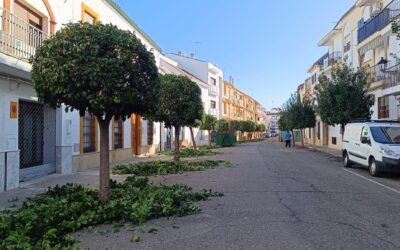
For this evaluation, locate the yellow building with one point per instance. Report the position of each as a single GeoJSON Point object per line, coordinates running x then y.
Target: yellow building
{"type": "Point", "coordinates": [236, 105]}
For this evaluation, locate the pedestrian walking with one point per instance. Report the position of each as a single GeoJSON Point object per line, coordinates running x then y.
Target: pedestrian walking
{"type": "Point", "coordinates": [288, 138]}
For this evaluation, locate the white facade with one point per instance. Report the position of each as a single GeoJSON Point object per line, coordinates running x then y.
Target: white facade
{"type": "Point", "coordinates": [39, 140]}
{"type": "Point", "coordinates": [207, 73]}
{"type": "Point", "coordinates": [360, 39]}
{"type": "Point", "coordinates": [169, 66]}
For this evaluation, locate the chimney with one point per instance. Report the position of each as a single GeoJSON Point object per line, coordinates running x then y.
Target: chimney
{"type": "Point", "coordinates": [192, 55]}
{"type": "Point", "coordinates": [180, 53]}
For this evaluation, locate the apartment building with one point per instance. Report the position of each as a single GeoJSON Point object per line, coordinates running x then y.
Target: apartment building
{"type": "Point", "coordinates": [206, 72]}
{"type": "Point", "coordinates": [169, 66]}
{"type": "Point", "coordinates": [362, 38]}
{"type": "Point", "coordinates": [36, 140]}
{"type": "Point", "coordinates": [236, 105]}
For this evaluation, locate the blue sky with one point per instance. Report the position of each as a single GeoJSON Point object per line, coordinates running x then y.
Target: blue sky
{"type": "Point", "coordinates": [267, 46]}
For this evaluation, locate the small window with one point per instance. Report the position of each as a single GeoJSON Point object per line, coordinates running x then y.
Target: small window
{"type": "Point", "coordinates": [150, 132]}
{"type": "Point", "coordinates": [364, 132]}
{"type": "Point", "coordinates": [213, 81]}
{"type": "Point", "coordinates": [383, 107]}
{"type": "Point", "coordinates": [334, 140]}
{"type": "Point", "coordinates": [213, 104]}
{"type": "Point", "coordinates": [89, 133]}
{"type": "Point", "coordinates": [118, 133]}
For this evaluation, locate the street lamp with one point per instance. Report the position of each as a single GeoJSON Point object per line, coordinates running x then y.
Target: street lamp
{"type": "Point", "coordinates": [383, 64]}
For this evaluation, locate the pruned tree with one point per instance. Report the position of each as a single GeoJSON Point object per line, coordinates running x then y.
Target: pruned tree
{"type": "Point", "coordinates": [208, 122]}
{"type": "Point", "coordinates": [344, 96]}
{"type": "Point", "coordinates": [98, 69]}
{"type": "Point", "coordinates": [179, 105]}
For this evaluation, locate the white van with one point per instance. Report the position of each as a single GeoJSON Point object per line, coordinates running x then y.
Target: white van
{"type": "Point", "coordinates": [373, 144]}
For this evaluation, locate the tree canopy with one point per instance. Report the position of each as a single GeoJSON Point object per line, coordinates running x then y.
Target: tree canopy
{"type": "Point", "coordinates": [179, 104]}
{"type": "Point", "coordinates": [344, 96]}
{"type": "Point", "coordinates": [100, 69]}
{"type": "Point", "coordinates": [96, 68]}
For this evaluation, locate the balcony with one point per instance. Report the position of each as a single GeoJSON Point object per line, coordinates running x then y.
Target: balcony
{"type": "Point", "coordinates": [328, 60]}
{"type": "Point", "coordinates": [18, 38]}
{"type": "Point", "coordinates": [379, 21]}
{"type": "Point", "coordinates": [213, 90]}
{"type": "Point", "coordinates": [385, 79]}
{"type": "Point", "coordinates": [213, 112]}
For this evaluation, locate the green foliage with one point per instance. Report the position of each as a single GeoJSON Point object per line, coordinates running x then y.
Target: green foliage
{"type": "Point", "coordinates": [297, 114]}
{"type": "Point", "coordinates": [179, 101]}
{"type": "Point", "coordinates": [222, 126]}
{"type": "Point", "coordinates": [234, 125]}
{"type": "Point", "coordinates": [96, 68]}
{"type": "Point", "coordinates": [149, 168]}
{"type": "Point", "coordinates": [208, 122]}
{"type": "Point", "coordinates": [247, 126]}
{"type": "Point", "coordinates": [45, 221]}
{"type": "Point", "coordinates": [344, 97]}
{"type": "Point", "coordinates": [260, 128]}
{"type": "Point", "coordinates": [190, 152]}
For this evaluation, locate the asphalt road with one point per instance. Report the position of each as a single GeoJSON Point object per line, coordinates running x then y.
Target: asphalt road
{"type": "Point", "coordinates": [275, 198]}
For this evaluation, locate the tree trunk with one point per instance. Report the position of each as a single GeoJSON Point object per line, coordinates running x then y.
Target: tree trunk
{"type": "Point", "coordinates": [293, 138]}
{"type": "Point", "coordinates": [209, 137]}
{"type": "Point", "coordinates": [104, 160]}
{"type": "Point", "coordinates": [177, 154]}
{"type": "Point", "coordinates": [193, 140]}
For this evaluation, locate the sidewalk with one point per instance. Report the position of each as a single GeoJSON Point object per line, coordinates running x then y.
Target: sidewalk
{"type": "Point", "coordinates": [89, 177]}
{"type": "Point", "coordinates": [325, 149]}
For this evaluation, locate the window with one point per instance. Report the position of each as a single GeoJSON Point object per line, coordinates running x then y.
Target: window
{"type": "Point", "coordinates": [150, 132]}
{"type": "Point", "coordinates": [32, 33]}
{"type": "Point", "coordinates": [314, 78]}
{"type": "Point", "coordinates": [334, 141]}
{"type": "Point", "coordinates": [213, 81]}
{"type": "Point", "coordinates": [88, 15]}
{"type": "Point", "coordinates": [118, 133]}
{"type": "Point", "coordinates": [89, 133]}
{"type": "Point", "coordinates": [225, 108]}
{"type": "Point", "coordinates": [383, 107]}
{"type": "Point", "coordinates": [213, 105]}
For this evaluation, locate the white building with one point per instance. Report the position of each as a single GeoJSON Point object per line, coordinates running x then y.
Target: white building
{"type": "Point", "coordinates": [361, 38]}
{"type": "Point", "coordinates": [273, 117]}
{"type": "Point", "coordinates": [169, 66]}
{"type": "Point", "coordinates": [208, 73]}
{"type": "Point", "coordinates": [36, 140]}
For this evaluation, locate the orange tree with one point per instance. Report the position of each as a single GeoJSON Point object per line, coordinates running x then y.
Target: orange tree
{"type": "Point", "coordinates": [98, 69]}
{"type": "Point", "coordinates": [179, 105]}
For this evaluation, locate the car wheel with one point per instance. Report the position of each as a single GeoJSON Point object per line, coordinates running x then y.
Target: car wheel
{"type": "Point", "coordinates": [346, 161]}
{"type": "Point", "coordinates": [373, 168]}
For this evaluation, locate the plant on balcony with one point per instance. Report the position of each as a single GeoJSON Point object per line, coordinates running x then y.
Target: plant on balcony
{"type": "Point", "coordinates": [208, 122]}
{"type": "Point", "coordinates": [179, 105]}
{"type": "Point", "coordinates": [344, 96]}
{"type": "Point", "coordinates": [100, 69]}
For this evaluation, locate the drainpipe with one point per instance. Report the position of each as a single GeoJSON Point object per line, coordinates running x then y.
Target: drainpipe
{"type": "Point", "coordinates": [5, 171]}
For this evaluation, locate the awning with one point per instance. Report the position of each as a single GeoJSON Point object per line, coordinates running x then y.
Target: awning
{"type": "Point", "coordinates": [377, 42]}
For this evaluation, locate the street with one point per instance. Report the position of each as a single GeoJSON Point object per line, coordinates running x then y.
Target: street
{"type": "Point", "coordinates": [275, 198]}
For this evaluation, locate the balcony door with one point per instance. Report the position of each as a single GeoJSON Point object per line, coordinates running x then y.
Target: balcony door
{"type": "Point", "coordinates": [29, 29]}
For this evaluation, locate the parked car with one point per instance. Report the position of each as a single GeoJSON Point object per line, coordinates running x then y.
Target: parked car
{"type": "Point", "coordinates": [374, 145]}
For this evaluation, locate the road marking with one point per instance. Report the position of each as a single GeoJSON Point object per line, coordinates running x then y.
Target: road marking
{"type": "Point", "coordinates": [377, 183]}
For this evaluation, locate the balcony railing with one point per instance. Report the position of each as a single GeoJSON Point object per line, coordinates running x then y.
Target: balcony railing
{"type": "Point", "coordinates": [18, 38]}
{"type": "Point", "coordinates": [213, 90]}
{"type": "Point", "coordinates": [379, 21]}
{"type": "Point", "coordinates": [390, 76]}
{"type": "Point", "coordinates": [212, 112]}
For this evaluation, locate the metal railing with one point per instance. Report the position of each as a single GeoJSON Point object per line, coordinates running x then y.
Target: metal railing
{"type": "Point", "coordinates": [390, 76]}
{"type": "Point", "coordinates": [379, 21]}
{"type": "Point", "coordinates": [17, 37]}
{"type": "Point", "coordinates": [213, 90]}
{"type": "Point", "coordinates": [212, 112]}
{"type": "Point", "coordinates": [329, 59]}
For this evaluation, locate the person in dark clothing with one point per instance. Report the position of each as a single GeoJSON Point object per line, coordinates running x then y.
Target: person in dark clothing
{"type": "Point", "coordinates": [288, 138]}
